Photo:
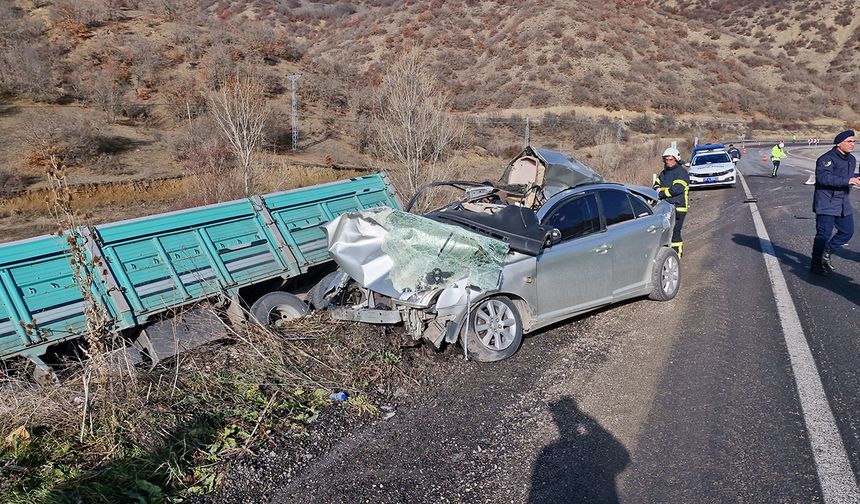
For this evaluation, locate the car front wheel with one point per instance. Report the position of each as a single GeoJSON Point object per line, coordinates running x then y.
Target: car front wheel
{"type": "Point", "coordinates": [495, 330]}
{"type": "Point", "coordinates": [666, 276]}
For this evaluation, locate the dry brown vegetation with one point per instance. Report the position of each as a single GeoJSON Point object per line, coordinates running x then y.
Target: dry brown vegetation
{"type": "Point", "coordinates": [146, 435]}
{"type": "Point", "coordinates": [123, 84]}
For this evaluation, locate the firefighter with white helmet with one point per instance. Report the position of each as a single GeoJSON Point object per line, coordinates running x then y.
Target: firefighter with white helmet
{"type": "Point", "coordinates": [673, 185]}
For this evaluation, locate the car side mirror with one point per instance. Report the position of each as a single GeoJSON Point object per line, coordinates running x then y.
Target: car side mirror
{"type": "Point", "coordinates": [554, 236]}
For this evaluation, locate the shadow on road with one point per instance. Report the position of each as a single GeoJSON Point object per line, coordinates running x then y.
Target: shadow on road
{"type": "Point", "coordinates": [582, 465]}
{"type": "Point", "coordinates": [798, 264]}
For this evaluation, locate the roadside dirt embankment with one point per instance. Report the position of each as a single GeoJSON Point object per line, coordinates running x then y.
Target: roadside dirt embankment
{"type": "Point", "coordinates": [89, 196]}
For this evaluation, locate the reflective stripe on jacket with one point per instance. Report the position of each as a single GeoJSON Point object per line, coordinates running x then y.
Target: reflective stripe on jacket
{"type": "Point", "coordinates": [673, 185]}
{"type": "Point", "coordinates": [776, 153]}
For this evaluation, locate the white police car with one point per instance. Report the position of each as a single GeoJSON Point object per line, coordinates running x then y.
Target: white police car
{"type": "Point", "coordinates": [711, 166]}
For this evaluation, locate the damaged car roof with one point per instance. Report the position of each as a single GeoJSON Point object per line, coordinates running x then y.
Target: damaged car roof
{"type": "Point", "coordinates": [560, 171]}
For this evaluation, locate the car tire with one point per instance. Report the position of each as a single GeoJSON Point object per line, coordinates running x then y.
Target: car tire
{"type": "Point", "coordinates": [666, 276]}
{"type": "Point", "coordinates": [276, 308]}
{"type": "Point", "coordinates": [316, 296]}
{"type": "Point", "coordinates": [495, 330]}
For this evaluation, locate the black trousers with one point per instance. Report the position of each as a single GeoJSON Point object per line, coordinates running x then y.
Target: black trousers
{"type": "Point", "coordinates": [676, 231]}
{"type": "Point", "coordinates": [825, 240]}
{"type": "Point", "coordinates": [679, 223]}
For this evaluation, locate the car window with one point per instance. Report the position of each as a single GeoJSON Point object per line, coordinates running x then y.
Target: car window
{"type": "Point", "coordinates": [703, 159]}
{"type": "Point", "coordinates": [575, 217]}
{"type": "Point", "coordinates": [616, 207]}
{"type": "Point", "coordinates": [640, 208]}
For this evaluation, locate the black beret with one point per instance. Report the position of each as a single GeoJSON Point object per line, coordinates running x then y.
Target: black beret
{"type": "Point", "coordinates": [842, 136]}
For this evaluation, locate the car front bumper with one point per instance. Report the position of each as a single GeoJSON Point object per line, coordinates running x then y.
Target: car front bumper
{"type": "Point", "coordinates": [721, 178]}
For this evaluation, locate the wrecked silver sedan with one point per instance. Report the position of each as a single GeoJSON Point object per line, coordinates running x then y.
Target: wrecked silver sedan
{"type": "Point", "coordinates": [549, 241]}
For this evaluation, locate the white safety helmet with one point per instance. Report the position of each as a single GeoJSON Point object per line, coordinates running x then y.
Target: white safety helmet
{"type": "Point", "coordinates": [781, 145]}
{"type": "Point", "coordinates": [671, 151]}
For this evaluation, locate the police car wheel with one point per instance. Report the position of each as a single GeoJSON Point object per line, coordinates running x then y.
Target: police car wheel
{"type": "Point", "coordinates": [666, 275]}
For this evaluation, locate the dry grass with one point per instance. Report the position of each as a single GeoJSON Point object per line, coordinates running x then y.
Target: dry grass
{"type": "Point", "coordinates": [26, 214]}
{"type": "Point", "coordinates": [168, 432]}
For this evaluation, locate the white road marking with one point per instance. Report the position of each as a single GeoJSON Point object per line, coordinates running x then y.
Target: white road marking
{"type": "Point", "coordinates": [838, 484]}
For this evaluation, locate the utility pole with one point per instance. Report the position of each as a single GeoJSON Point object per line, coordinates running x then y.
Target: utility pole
{"type": "Point", "coordinates": [294, 117]}
{"type": "Point", "coordinates": [527, 131]}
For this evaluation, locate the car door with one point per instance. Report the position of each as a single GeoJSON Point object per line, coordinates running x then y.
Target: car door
{"type": "Point", "coordinates": [634, 234]}
{"type": "Point", "coordinates": [575, 273]}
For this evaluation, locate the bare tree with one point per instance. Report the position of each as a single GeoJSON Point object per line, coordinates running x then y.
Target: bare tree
{"type": "Point", "coordinates": [105, 88]}
{"type": "Point", "coordinates": [415, 129]}
{"type": "Point", "coordinates": [239, 108]}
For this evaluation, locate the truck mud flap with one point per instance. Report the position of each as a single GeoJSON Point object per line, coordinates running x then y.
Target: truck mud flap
{"type": "Point", "coordinates": [184, 331]}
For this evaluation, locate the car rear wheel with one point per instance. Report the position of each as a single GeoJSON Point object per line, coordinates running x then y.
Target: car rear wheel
{"type": "Point", "coordinates": [666, 276]}
{"type": "Point", "coordinates": [276, 308]}
{"type": "Point", "coordinates": [495, 330]}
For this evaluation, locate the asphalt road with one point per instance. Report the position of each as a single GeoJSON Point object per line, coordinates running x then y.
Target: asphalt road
{"type": "Point", "coordinates": [693, 400]}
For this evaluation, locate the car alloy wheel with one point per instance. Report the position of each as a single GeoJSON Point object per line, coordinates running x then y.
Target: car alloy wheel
{"type": "Point", "coordinates": [665, 275]}
{"type": "Point", "coordinates": [670, 275]}
{"type": "Point", "coordinates": [496, 325]}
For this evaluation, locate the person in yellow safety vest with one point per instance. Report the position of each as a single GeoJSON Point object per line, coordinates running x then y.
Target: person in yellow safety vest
{"type": "Point", "coordinates": [776, 155]}
{"type": "Point", "coordinates": [673, 185]}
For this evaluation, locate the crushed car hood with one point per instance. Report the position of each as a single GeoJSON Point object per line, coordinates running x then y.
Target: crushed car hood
{"type": "Point", "coordinates": [400, 254]}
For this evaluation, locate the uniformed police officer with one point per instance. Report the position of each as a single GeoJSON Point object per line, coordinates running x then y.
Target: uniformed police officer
{"type": "Point", "coordinates": [834, 176]}
{"type": "Point", "coordinates": [673, 185]}
{"type": "Point", "coordinates": [734, 153]}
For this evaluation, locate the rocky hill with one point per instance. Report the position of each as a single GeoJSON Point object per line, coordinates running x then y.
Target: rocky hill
{"type": "Point", "coordinates": [122, 83]}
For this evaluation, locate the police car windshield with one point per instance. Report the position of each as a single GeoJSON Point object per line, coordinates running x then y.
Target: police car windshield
{"type": "Point", "coordinates": [703, 159]}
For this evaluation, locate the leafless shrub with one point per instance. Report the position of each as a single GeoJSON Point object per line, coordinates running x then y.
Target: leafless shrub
{"type": "Point", "coordinates": [88, 13]}
{"type": "Point", "coordinates": [105, 88]}
{"type": "Point", "coordinates": [147, 59]}
{"type": "Point", "coordinates": [185, 99]}
{"type": "Point", "coordinates": [362, 108]}
{"type": "Point", "coordinates": [25, 69]}
{"type": "Point", "coordinates": [68, 141]}
{"type": "Point", "coordinates": [25, 64]}
{"type": "Point", "coordinates": [219, 64]}
{"type": "Point", "coordinates": [263, 40]}
{"type": "Point", "coordinates": [9, 183]}
{"type": "Point", "coordinates": [278, 135]}
{"type": "Point", "coordinates": [329, 85]}
{"type": "Point", "coordinates": [208, 160]}
{"type": "Point", "coordinates": [171, 10]}
{"type": "Point", "coordinates": [415, 130]}
{"type": "Point", "coordinates": [238, 107]}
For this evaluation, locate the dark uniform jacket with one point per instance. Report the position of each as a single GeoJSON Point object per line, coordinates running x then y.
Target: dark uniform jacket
{"type": "Point", "coordinates": [832, 171]}
{"type": "Point", "coordinates": [673, 185]}
{"type": "Point", "coordinates": [734, 153]}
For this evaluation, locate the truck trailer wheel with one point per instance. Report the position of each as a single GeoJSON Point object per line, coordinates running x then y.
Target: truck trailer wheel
{"type": "Point", "coordinates": [276, 308]}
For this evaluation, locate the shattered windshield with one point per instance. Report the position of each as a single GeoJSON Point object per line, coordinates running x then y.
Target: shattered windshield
{"type": "Point", "coordinates": [428, 254]}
